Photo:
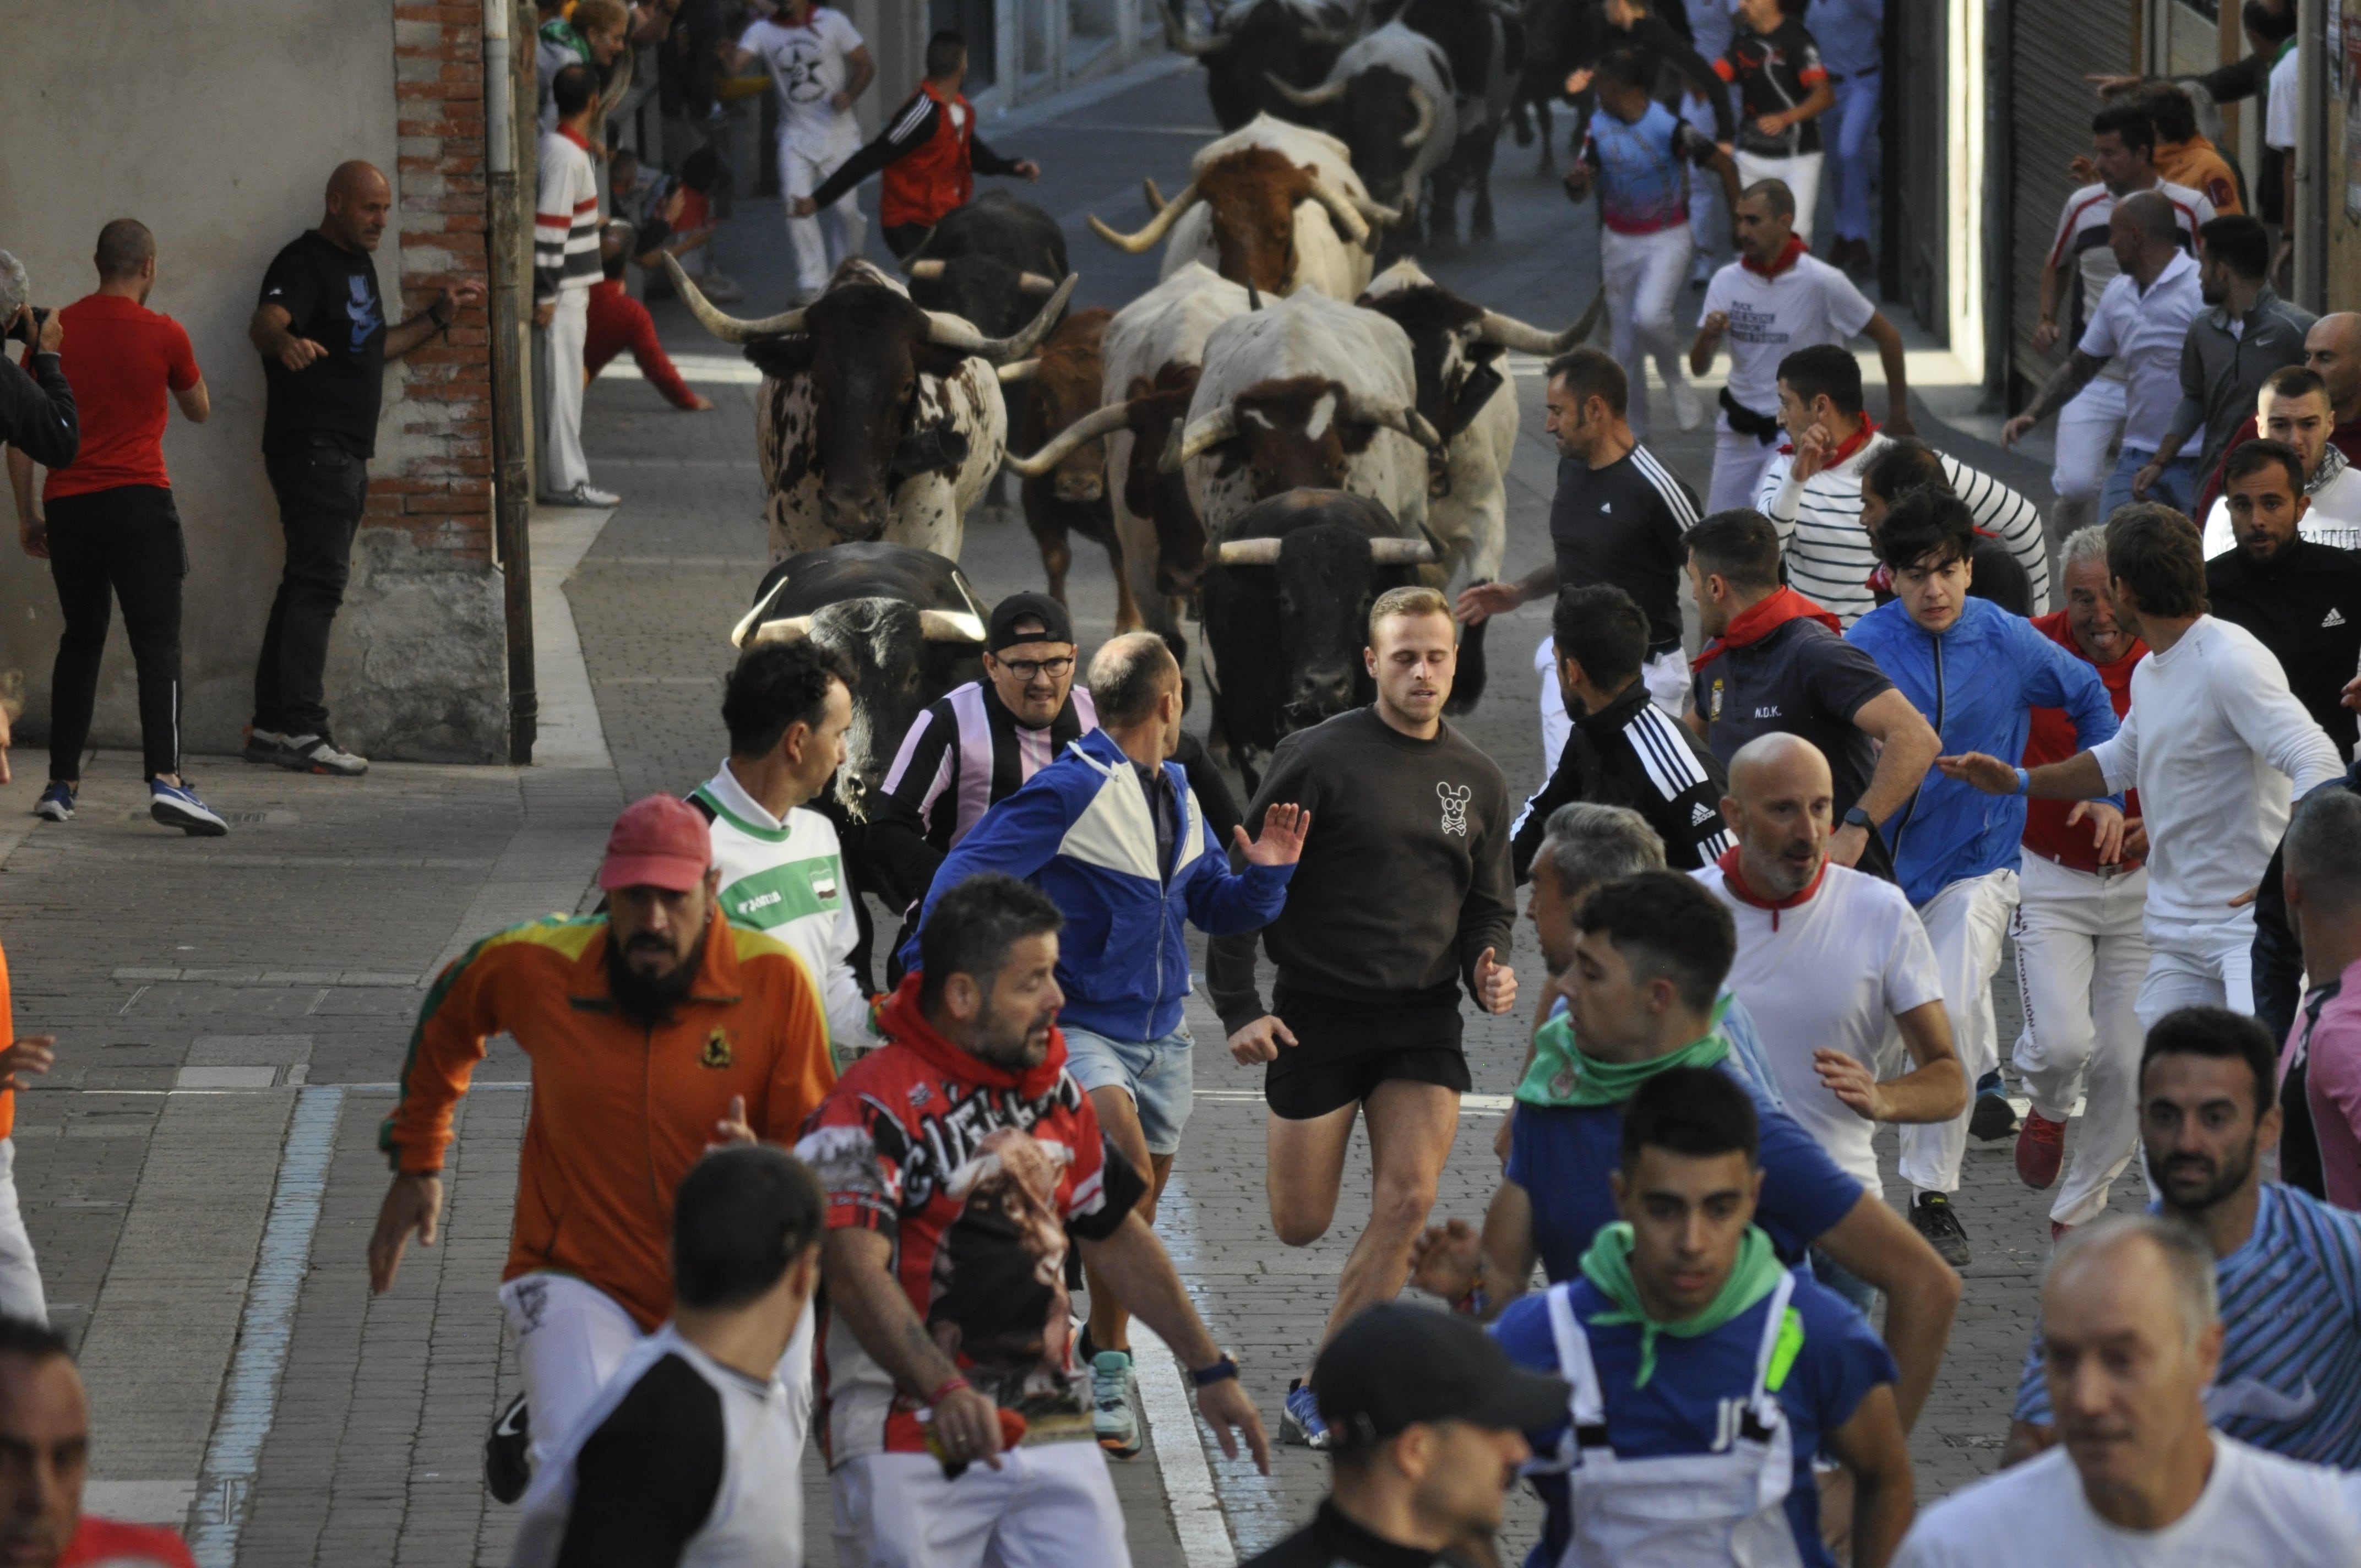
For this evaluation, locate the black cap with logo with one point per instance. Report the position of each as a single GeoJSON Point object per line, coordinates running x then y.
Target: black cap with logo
{"type": "Point", "coordinates": [1398, 1365]}
{"type": "Point", "coordinates": [1027, 617]}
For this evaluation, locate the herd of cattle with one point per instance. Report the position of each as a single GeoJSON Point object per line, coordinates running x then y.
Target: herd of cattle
{"type": "Point", "coordinates": [1272, 435]}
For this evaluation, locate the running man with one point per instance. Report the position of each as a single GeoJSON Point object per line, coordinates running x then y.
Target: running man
{"type": "Point", "coordinates": [1403, 898]}
{"type": "Point", "coordinates": [1783, 91]}
{"type": "Point", "coordinates": [820, 67]}
{"type": "Point", "coordinates": [728, 1029]}
{"type": "Point", "coordinates": [2293, 407]}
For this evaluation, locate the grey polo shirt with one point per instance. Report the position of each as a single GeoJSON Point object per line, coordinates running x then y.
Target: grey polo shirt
{"type": "Point", "coordinates": [2221, 371]}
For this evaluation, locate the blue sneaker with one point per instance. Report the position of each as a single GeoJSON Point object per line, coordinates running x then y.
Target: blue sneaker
{"type": "Point", "coordinates": [177, 805]}
{"type": "Point", "coordinates": [57, 801]}
{"type": "Point", "coordinates": [1298, 1420]}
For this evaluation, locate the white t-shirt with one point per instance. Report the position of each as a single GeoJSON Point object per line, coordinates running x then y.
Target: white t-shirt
{"type": "Point", "coordinates": [1769, 318]}
{"type": "Point", "coordinates": [2145, 328]}
{"type": "Point", "coordinates": [2212, 740]}
{"type": "Point", "coordinates": [2258, 1511]}
{"type": "Point", "coordinates": [808, 63]}
{"type": "Point", "coordinates": [2335, 518]}
{"type": "Point", "coordinates": [2279, 113]}
{"type": "Point", "coordinates": [1831, 972]}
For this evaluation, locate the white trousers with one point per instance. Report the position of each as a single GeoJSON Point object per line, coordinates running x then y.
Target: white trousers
{"type": "Point", "coordinates": [2090, 428]}
{"type": "Point", "coordinates": [1739, 464]}
{"type": "Point", "coordinates": [821, 242]}
{"type": "Point", "coordinates": [2080, 959]}
{"type": "Point", "coordinates": [559, 363]}
{"type": "Point", "coordinates": [1048, 1506]}
{"type": "Point", "coordinates": [2198, 963]}
{"type": "Point", "coordinates": [1801, 174]}
{"type": "Point", "coordinates": [21, 1294]}
{"type": "Point", "coordinates": [1666, 676]}
{"type": "Point", "coordinates": [1643, 274]}
{"type": "Point", "coordinates": [1965, 923]}
{"type": "Point", "coordinates": [570, 1338]}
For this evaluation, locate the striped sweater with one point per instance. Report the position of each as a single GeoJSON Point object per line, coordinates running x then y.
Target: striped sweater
{"type": "Point", "coordinates": [1829, 556]}
{"type": "Point", "coordinates": [565, 218]}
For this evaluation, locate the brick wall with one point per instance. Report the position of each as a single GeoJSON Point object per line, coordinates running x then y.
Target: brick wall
{"type": "Point", "coordinates": [440, 496]}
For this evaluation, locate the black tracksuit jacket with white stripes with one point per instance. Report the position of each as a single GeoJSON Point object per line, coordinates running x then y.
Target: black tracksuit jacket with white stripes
{"type": "Point", "coordinates": [1629, 754]}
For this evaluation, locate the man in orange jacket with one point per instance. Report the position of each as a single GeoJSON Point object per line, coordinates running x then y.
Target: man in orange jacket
{"type": "Point", "coordinates": [653, 1030]}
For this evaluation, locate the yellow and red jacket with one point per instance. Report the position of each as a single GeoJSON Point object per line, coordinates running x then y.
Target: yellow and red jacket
{"type": "Point", "coordinates": [620, 1112]}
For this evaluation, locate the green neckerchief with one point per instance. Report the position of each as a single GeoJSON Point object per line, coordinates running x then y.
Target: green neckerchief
{"type": "Point", "coordinates": [1563, 1074]}
{"type": "Point", "coordinates": [1608, 1264]}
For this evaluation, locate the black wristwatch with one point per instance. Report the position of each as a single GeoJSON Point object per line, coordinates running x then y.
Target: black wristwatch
{"type": "Point", "coordinates": [1221, 1371]}
{"type": "Point", "coordinates": [1858, 818]}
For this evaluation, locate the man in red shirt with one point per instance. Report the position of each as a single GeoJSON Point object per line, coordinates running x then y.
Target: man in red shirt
{"type": "Point", "coordinates": [2080, 954]}
{"type": "Point", "coordinates": [45, 1437]}
{"type": "Point", "coordinates": [2332, 350]}
{"type": "Point", "coordinates": [618, 322]}
{"type": "Point", "coordinates": [112, 528]}
{"type": "Point", "coordinates": [961, 1160]}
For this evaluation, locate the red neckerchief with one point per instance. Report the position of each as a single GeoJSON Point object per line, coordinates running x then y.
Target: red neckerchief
{"type": "Point", "coordinates": [1852, 443]}
{"type": "Point", "coordinates": [1735, 880]}
{"type": "Point", "coordinates": [1758, 622]}
{"type": "Point", "coordinates": [1779, 263]}
{"type": "Point", "coordinates": [903, 1022]}
{"type": "Point", "coordinates": [577, 137]}
{"type": "Point", "coordinates": [1881, 581]}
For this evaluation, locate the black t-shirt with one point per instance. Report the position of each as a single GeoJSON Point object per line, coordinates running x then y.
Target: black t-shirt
{"type": "Point", "coordinates": [646, 1481]}
{"type": "Point", "coordinates": [2305, 606]}
{"type": "Point", "coordinates": [1624, 524]}
{"type": "Point", "coordinates": [1331, 1540]}
{"type": "Point", "coordinates": [1775, 72]}
{"type": "Point", "coordinates": [331, 297]}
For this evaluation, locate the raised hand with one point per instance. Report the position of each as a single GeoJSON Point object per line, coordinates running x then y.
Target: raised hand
{"type": "Point", "coordinates": [1284, 829]}
{"type": "Point", "coordinates": [733, 1128]}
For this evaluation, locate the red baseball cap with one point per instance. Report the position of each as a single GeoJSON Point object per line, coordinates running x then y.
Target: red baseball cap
{"type": "Point", "coordinates": [661, 842]}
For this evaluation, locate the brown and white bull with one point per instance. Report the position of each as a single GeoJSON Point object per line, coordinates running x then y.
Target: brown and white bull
{"type": "Point", "coordinates": [1274, 205]}
{"type": "Point", "coordinates": [875, 419]}
{"type": "Point", "coordinates": [1065, 483]}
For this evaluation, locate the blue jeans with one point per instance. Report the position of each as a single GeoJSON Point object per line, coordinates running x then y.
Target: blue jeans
{"type": "Point", "coordinates": [1854, 152]}
{"type": "Point", "coordinates": [1157, 1074]}
{"type": "Point", "coordinates": [2176, 486]}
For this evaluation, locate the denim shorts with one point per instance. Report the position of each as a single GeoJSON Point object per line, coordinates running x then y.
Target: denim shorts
{"type": "Point", "coordinates": [1156, 1074]}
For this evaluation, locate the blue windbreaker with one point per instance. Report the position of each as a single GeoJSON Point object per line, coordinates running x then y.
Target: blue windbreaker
{"type": "Point", "coordinates": [1977, 684]}
{"type": "Point", "coordinates": [1079, 830]}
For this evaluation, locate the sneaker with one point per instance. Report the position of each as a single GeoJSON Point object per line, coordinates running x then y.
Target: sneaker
{"type": "Point", "coordinates": [585, 494]}
{"type": "Point", "coordinates": [1931, 1216]}
{"type": "Point", "coordinates": [177, 805]}
{"type": "Point", "coordinates": [1116, 1420]}
{"type": "Point", "coordinates": [1298, 1419]}
{"type": "Point", "coordinates": [57, 801]}
{"type": "Point", "coordinates": [2040, 1148]}
{"type": "Point", "coordinates": [508, 1463]}
{"type": "Point", "coordinates": [318, 754]}
{"type": "Point", "coordinates": [1993, 1118]}
{"type": "Point", "coordinates": [263, 745]}
{"type": "Point", "coordinates": [1689, 408]}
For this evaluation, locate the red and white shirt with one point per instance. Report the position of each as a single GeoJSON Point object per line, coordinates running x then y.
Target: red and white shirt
{"type": "Point", "coordinates": [982, 1177]}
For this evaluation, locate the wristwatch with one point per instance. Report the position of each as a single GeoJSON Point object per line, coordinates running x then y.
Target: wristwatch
{"type": "Point", "coordinates": [1858, 818]}
{"type": "Point", "coordinates": [1221, 1371]}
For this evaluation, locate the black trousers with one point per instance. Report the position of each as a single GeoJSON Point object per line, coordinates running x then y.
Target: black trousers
{"type": "Point", "coordinates": [321, 491]}
{"type": "Point", "coordinates": [123, 544]}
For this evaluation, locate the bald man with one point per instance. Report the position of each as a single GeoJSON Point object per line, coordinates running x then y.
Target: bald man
{"type": "Point", "coordinates": [2143, 319]}
{"type": "Point", "coordinates": [322, 332]}
{"type": "Point", "coordinates": [2332, 350]}
{"type": "Point", "coordinates": [1827, 957]}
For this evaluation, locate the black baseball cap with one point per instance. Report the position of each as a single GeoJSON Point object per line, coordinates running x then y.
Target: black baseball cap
{"type": "Point", "coordinates": [1396, 1365]}
{"type": "Point", "coordinates": [1026, 609]}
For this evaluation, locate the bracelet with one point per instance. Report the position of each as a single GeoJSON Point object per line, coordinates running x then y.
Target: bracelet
{"type": "Point", "coordinates": [950, 1385]}
{"type": "Point", "coordinates": [1221, 1371]}
{"type": "Point", "coordinates": [2024, 782]}
{"type": "Point", "coordinates": [1474, 1302]}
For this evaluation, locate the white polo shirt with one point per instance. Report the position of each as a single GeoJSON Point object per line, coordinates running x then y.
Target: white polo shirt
{"type": "Point", "coordinates": [2145, 329]}
{"type": "Point", "coordinates": [2082, 241]}
{"type": "Point", "coordinates": [1809, 302]}
{"type": "Point", "coordinates": [2335, 518]}
{"type": "Point", "coordinates": [1831, 972]}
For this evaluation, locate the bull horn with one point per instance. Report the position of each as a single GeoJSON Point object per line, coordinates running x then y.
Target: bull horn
{"type": "Point", "coordinates": [755, 616]}
{"type": "Point", "coordinates": [1510, 333]}
{"type": "Point", "coordinates": [1378, 213]}
{"type": "Point", "coordinates": [1420, 99]}
{"type": "Point", "coordinates": [1355, 227]}
{"type": "Point", "coordinates": [1393, 416]}
{"type": "Point", "coordinates": [1402, 551]}
{"type": "Point", "coordinates": [1198, 437]}
{"type": "Point", "coordinates": [729, 328]}
{"type": "Point", "coordinates": [1248, 552]}
{"type": "Point", "coordinates": [1034, 283]}
{"type": "Point", "coordinates": [787, 628]}
{"type": "Point", "coordinates": [958, 332]}
{"type": "Point", "coordinates": [1318, 97]}
{"type": "Point", "coordinates": [931, 268]}
{"type": "Point", "coordinates": [1156, 202]}
{"type": "Point", "coordinates": [1177, 39]}
{"type": "Point", "coordinates": [1089, 428]}
{"type": "Point", "coordinates": [1158, 226]}
{"type": "Point", "coordinates": [950, 626]}
{"type": "Point", "coordinates": [1019, 370]}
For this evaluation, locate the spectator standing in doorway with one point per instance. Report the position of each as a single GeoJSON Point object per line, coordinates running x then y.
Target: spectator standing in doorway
{"type": "Point", "coordinates": [2230, 349]}
{"type": "Point", "coordinates": [321, 332]}
{"type": "Point", "coordinates": [564, 266]}
{"type": "Point", "coordinates": [1850, 34]}
{"type": "Point", "coordinates": [1783, 91]}
{"type": "Point", "coordinates": [118, 534]}
{"type": "Point", "coordinates": [820, 66]}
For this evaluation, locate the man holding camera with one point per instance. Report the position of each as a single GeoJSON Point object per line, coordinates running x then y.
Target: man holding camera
{"type": "Point", "coordinates": [37, 409]}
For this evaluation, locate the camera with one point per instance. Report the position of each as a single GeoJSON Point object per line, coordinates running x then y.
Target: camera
{"type": "Point", "coordinates": [26, 328]}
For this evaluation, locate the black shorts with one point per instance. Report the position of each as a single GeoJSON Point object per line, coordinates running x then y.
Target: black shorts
{"type": "Point", "coordinates": [1344, 1049]}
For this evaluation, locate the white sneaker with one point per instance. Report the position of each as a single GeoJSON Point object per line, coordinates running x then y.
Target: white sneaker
{"type": "Point", "coordinates": [585, 494]}
{"type": "Point", "coordinates": [1687, 407]}
{"type": "Point", "coordinates": [319, 755]}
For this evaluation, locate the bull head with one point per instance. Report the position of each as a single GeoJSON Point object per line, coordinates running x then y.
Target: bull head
{"type": "Point", "coordinates": [1297, 432]}
{"type": "Point", "coordinates": [1254, 192]}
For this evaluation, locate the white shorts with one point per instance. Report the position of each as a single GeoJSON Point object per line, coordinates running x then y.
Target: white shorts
{"type": "Point", "coordinates": [1052, 1505]}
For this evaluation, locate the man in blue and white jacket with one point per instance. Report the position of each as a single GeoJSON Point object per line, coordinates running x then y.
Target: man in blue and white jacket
{"type": "Point", "coordinates": [1112, 832]}
{"type": "Point", "coordinates": [1976, 673]}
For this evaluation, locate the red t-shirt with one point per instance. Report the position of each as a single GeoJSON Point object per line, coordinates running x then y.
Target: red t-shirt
{"type": "Point", "coordinates": [111, 1543]}
{"type": "Point", "coordinates": [120, 358]}
{"type": "Point", "coordinates": [2051, 739]}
